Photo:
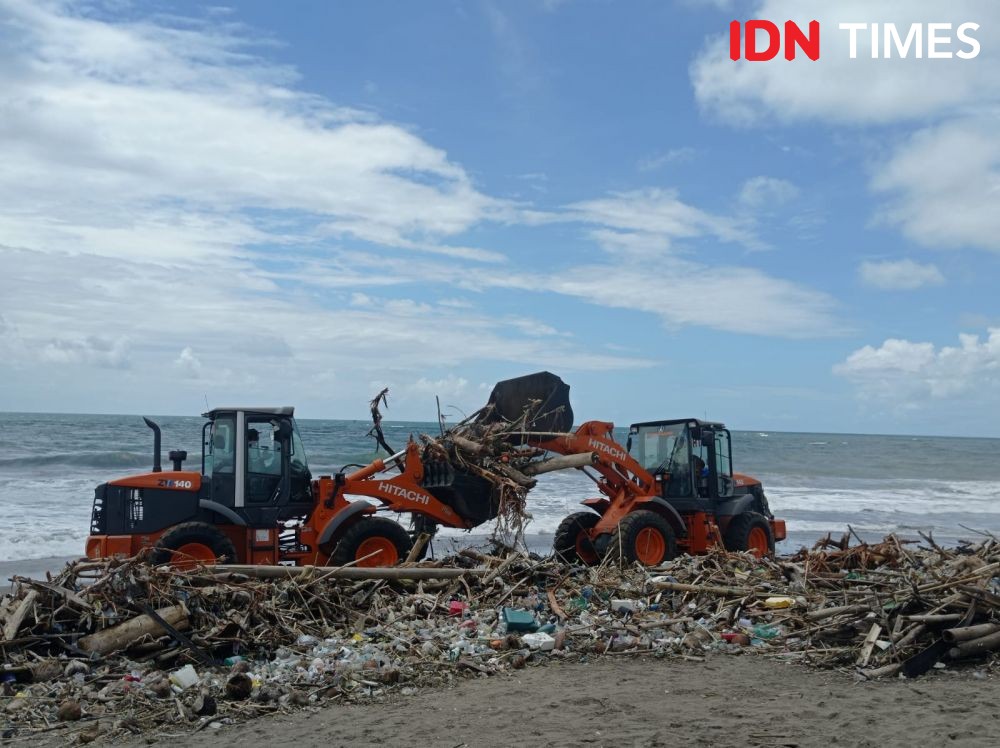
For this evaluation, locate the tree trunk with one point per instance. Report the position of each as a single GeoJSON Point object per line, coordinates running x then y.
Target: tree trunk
{"type": "Point", "coordinates": [119, 637]}
{"type": "Point", "coordinates": [561, 463]}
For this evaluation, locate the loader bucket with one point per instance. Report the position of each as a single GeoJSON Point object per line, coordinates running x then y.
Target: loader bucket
{"type": "Point", "coordinates": [511, 396]}
{"type": "Point", "coordinates": [474, 499]}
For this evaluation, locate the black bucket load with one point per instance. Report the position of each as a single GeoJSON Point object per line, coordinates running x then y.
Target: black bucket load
{"type": "Point", "coordinates": [473, 497]}
{"type": "Point", "coordinates": [511, 396]}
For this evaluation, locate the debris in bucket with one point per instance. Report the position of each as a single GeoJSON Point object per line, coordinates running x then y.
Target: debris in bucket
{"type": "Point", "coordinates": [82, 656]}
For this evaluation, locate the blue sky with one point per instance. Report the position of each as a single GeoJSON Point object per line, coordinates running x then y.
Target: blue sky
{"type": "Point", "coordinates": [256, 204]}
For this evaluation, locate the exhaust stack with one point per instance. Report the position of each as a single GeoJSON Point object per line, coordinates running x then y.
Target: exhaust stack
{"type": "Point", "coordinates": [157, 468]}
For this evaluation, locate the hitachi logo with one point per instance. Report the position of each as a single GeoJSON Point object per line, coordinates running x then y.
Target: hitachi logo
{"type": "Point", "coordinates": [618, 454]}
{"type": "Point", "coordinates": [393, 490]}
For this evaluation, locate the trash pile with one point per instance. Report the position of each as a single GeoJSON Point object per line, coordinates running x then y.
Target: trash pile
{"type": "Point", "coordinates": [116, 648]}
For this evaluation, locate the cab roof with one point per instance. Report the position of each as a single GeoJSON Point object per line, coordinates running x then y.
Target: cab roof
{"type": "Point", "coordinates": [697, 422]}
{"type": "Point", "coordinates": [285, 410]}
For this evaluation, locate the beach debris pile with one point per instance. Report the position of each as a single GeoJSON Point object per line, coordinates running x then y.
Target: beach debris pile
{"type": "Point", "coordinates": [117, 648]}
{"type": "Point", "coordinates": [474, 466]}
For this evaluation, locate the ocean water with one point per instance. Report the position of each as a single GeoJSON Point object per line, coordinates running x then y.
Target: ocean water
{"type": "Point", "coordinates": [819, 483]}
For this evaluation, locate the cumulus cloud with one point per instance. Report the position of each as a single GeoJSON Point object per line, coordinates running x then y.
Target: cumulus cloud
{"type": "Point", "coordinates": [899, 275]}
{"type": "Point", "coordinates": [188, 364]}
{"type": "Point", "coordinates": [906, 372]}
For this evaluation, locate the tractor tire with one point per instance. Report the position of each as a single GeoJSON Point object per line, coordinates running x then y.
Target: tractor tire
{"type": "Point", "coordinates": [642, 537]}
{"type": "Point", "coordinates": [749, 532]}
{"type": "Point", "coordinates": [369, 535]}
{"type": "Point", "coordinates": [571, 542]}
{"type": "Point", "coordinates": [189, 544]}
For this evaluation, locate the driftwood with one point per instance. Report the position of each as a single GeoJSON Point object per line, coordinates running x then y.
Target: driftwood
{"type": "Point", "coordinates": [16, 619]}
{"type": "Point", "coordinates": [869, 644]}
{"type": "Point", "coordinates": [119, 637]}
{"type": "Point", "coordinates": [380, 572]}
{"type": "Point", "coordinates": [564, 462]}
{"type": "Point", "coordinates": [705, 588]}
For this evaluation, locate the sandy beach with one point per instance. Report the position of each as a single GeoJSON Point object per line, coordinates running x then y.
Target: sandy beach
{"type": "Point", "coordinates": [753, 698]}
{"type": "Point", "coordinates": [725, 701]}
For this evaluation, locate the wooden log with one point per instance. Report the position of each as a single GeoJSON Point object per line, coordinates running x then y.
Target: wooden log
{"type": "Point", "coordinates": [974, 647]}
{"type": "Point", "coordinates": [709, 589]}
{"type": "Point", "coordinates": [117, 638]}
{"type": "Point", "coordinates": [13, 623]}
{"type": "Point", "coordinates": [379, 572]}
{"type": "Point", "coordinates": [565, 462]}
{"type": "Point", "coordinates": [818, 615]}
{"type": "Point", "coordinates": [514, 474]}
{"type": "Point", "coordinates": [911, 636]}
{"type": "Point", "coordinates": [965, 633]}
{"type": "Point", "coordinates": [889, 670]}
{"type": "Point", "coordinates": [418, 546]}
{"type": "Point", "coordinates": [940, 618]}
{"type": "Point", "coordinates": [67, 595]}
{"type": "Point", "coordinates": [467, 445]}
{"type": "Point", "coordinates": [866, 649]}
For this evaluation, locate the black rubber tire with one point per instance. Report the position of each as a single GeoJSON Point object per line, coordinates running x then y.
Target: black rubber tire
{"type": "Point", "coordinates": [737, 535]}
{"type": "Point", "coordinates": [567, 534]}
{"type": "Point", "coordinates": [367, 528]}
{"type": "Point", "coordinates": [193, 532]}
{"type": "Point", "coordinates": [622, 547]}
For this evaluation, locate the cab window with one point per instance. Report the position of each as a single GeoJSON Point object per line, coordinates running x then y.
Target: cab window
{"type": "Point", "coordinates": [220, 451]}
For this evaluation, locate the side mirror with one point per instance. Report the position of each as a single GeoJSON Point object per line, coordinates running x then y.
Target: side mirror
{"type": "Point", "coordinates": [628, 444]}
{"type": "Point", "coordinates": [284, 432]}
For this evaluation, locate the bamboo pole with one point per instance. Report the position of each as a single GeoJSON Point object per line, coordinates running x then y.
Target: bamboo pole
{"type": "Point", "coordinates": [710, 589]}
{"type": "Point", "coordinates": [965, 633]}
{"type": "Point", "coordinates": [974, 647]}
{"type": "Point", "coordinates": [379, 572]}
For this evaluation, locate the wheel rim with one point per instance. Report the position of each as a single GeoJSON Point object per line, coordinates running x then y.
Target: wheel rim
{"type": "Point", "coordinates": [383, 548]}
{"type": "Point", "coordinates": [585, 548]}
{"type": "Point", "coordinates": [650, 546]}
{"type": "Point", "coordinates": [191, 555]}
{"type": "Point", "coordinates": [757, 542]}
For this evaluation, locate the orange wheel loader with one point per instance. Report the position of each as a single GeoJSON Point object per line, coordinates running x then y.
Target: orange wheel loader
{"type": "Point", "coordinates": [254, 501]}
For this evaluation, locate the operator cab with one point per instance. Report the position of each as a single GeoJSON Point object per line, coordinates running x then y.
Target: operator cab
{"type": "Point", "coordinates": [690, 460]}
{"type": "Point", "coordinates": [253, 461]}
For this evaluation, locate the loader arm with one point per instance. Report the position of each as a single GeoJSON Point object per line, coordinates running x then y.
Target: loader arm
{"type": "Point", "coordinates": [619, 471]}
{"type": "Point", "coordinates": [399, 493]}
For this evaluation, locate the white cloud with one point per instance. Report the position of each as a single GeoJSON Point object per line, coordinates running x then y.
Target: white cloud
{"type": "Point", "coordinates": [908, 373]}
{"type": "Point", "coordinates": [93, 350]}
{"type": "Point", "coordinates": [837, 89]}
{"type": "Point", "coordinates": [658, 212]}
{"type": "Point", "coordinates": [449, 386]}
{"type": "Point", "coordinates": [904, 275]}
{"type": "Point", "coordinates": [737, 299]}
{"type": "Point", "coordinates": [122, 138]}
{"type": "Point", "coordinates": [943, 184]}
{"type": "Point", "coordinates": [672, 156]}
{"type": "Point", "coordinates": [766, 192]}
{"type": "Point", "coordinates": [188, 363]}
